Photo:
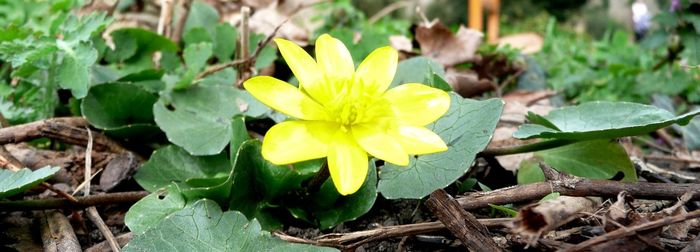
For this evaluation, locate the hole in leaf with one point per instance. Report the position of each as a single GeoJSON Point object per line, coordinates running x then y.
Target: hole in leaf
{"type": "Point", "coordinates": [170, 107]}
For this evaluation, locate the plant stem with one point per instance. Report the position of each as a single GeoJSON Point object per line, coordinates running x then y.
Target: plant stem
{"type": "Point", "coordinates": [517, 149]}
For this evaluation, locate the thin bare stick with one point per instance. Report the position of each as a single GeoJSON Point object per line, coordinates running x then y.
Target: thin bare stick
{"type": "Point", "coordinates": [629, 231]}
{"type": "Point", "coordinates": [91, 211]}
{"type": "Point", "coordinates": [166, 17]}
{"type": "Point", "coordinates": [82, 184]}
{"type": "Point", "coordinates": [82, 202]}
{"type": "Point", "coordinates": [582, 187]}
{"type": "Point", "coordinates": [387, 10]}
{"type": "Point", "coordinates": [180, 22]}
{"type": "Point", "coordinates": [88, 163]}
{"type": "Point", "coordinates": [357, 238]}
{"type": "Point", "coordinates": [94, 216]}
{"type": "Point", "coordinates": [250, 60]}
{"type": "Point", "coordinates": [244, 54]}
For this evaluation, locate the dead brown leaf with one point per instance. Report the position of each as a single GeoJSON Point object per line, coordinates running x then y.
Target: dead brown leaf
{"type": "Point", "coordinates": [440, 44]}
{"type": "Point", "coordinates": [528, 42]}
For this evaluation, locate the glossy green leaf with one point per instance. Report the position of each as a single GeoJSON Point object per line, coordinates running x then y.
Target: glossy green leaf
{"type": "Point", "coordinates": [199, 118]}
{"type": "Point", "coordinates": [259, 183]}
{"type": "Point", "coordinates": [204, 227]}
{"type": "Point", "coordinates": [12, 183]}
{"type": "Point", "coordinates": [196, 55]}
{"type": "Point", "coordinates": [345, 208]}
{"type": "Point", "coordinates": [418, 70]}
{"type": "Point", "coordinates": [114, 106]}
{"type": "Point", "coordinates": [597, 120]}
{"type": "Point", "coordinates": [152, 209]}
{"type": "Point", "coordinates": [466, 128]}
{"type": "Point", "coordinates": [239, 135]}
{"type": "Point", "coordinates": [173, 164]}
{"type": "Point", "coordinates": [597, 159]}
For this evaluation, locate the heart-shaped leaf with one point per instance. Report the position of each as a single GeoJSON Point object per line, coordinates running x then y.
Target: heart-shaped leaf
{"type": "Point", "coordinates": [199, 118]}
{"type": "Point", "coordinates": [466, 128]}
{"type": "Point", "coordinates": [204, 227]}
{"type": "Point", "coordinates": [173, 164]}
{"type": "Point", "coordinates": [12, 183]}
{"type": "Point", "coordinates": [117, 106]}
{"type": "Point", "coordinates": [152, 209]}
{"type": "Point", "coordinates": [600, 120]}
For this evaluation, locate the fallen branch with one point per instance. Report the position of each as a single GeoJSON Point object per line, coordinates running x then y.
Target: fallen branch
{"type": "Point", "coordinates": [356, 239]}
{"type": "Point", "coordinates": [83, 202]}
{"type": "Point", "coordinates": [56, 232]}
{"type": "Point", "coordinates": [65, 129]}
{"type": "Point", "coordinates": [461, 223]}
{"type": "Point", "coordinates": [633, 230]}
{"type": "Point", "coordinates": [582, 187]}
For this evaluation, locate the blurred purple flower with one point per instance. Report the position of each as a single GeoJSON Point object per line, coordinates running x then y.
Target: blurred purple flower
{"type": "Point", "coordinates": [675, 5]}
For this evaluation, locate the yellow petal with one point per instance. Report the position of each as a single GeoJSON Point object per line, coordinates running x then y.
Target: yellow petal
{"type": "Point", "coordinates": [334, 58]}
{"type": "Point", "coordinates": [418, 104]}
{"type": "Point", "coordinates": [294, 141]}
{"type": "Point", "coordinates": [419, 140]}
{"type": "Point", "coordinates": [285, 98]}
{"type": "Point", "coordinates": [377, 70]}
{"type": "Point", "coordinates": [305, 68]}
{"type": "Point", "coordinates": [301, 63]}
{"type": "Point", "coordinates": [378, 143]}
{"type": "Point", "coordinates": [347, 164]}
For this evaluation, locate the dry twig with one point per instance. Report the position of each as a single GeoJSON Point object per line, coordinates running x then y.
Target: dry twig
{"type": "Point", "coordinates": [461, 223]}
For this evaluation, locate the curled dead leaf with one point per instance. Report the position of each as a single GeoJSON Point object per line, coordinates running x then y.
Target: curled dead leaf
{"type": "Point", "coordinates": [441, 45]}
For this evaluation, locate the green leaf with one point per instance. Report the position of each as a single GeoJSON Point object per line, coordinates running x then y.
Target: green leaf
{"type": "Point", "coordinates": [204, 227]}
{"type": "Point", "coordinates": [510, 212]}
{"type": "Point", "coordinates": [267, 55]}
{"type": "Point", "coordinates": [259, 183]}
{"type": "Point", "coordinates": [173, 164]}
{"type": "Point", "coordinates": [115, 106]}
{"type": "Point", "coordinates": [466, 128]}
{"type": "Point", "coordinates": [342, 209]}
{"type": "Point", "coordinates": [153, 208]}
{"type": "Point", "coordinates": [549, 197]}
{"type": "Point", "coordinates": [74, 71]}
{"type": "Point", "coordinates": [197, 35]}
{"type": "Point", "coordinates": [418, 70]}
{"type": "Point", "coordinates": [136, 46]}
{"type": "Point", "coordinates": [238, 136]}
{"type": "Point", "coordinates": [691, 41]}
{"type": "Point", "coordinates": [598, 120]}
{"type": "Point", "coordinates": [529, 172]}
{"type": "Point", "coordinates": [439, 83]}
{"type": "Point", "coordinates": [199, 118]}
{"type": "Point", "coordinates": [225, 42]}
{"type": "Point", "coordinates": [691, 134]}
{"type": "Point", "coordinates": [76, 30]}
{"type": "Point", "coordinates": [196, 55]}
{"type": "Point", "coordinates": [583, 159]}
{"type": "Point", "coordinates": [202, 15]}
{"type": "Point", "coordinates": [12, 183]}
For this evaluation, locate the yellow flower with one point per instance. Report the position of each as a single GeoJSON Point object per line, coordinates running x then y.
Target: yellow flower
{"type": "Point", "coordinates": [344, 114]}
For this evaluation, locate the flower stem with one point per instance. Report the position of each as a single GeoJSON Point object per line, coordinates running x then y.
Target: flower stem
{"type": "Point", "coordinates": [517, 149]}
{"type": "Point", "coordinates": [314, 184]}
